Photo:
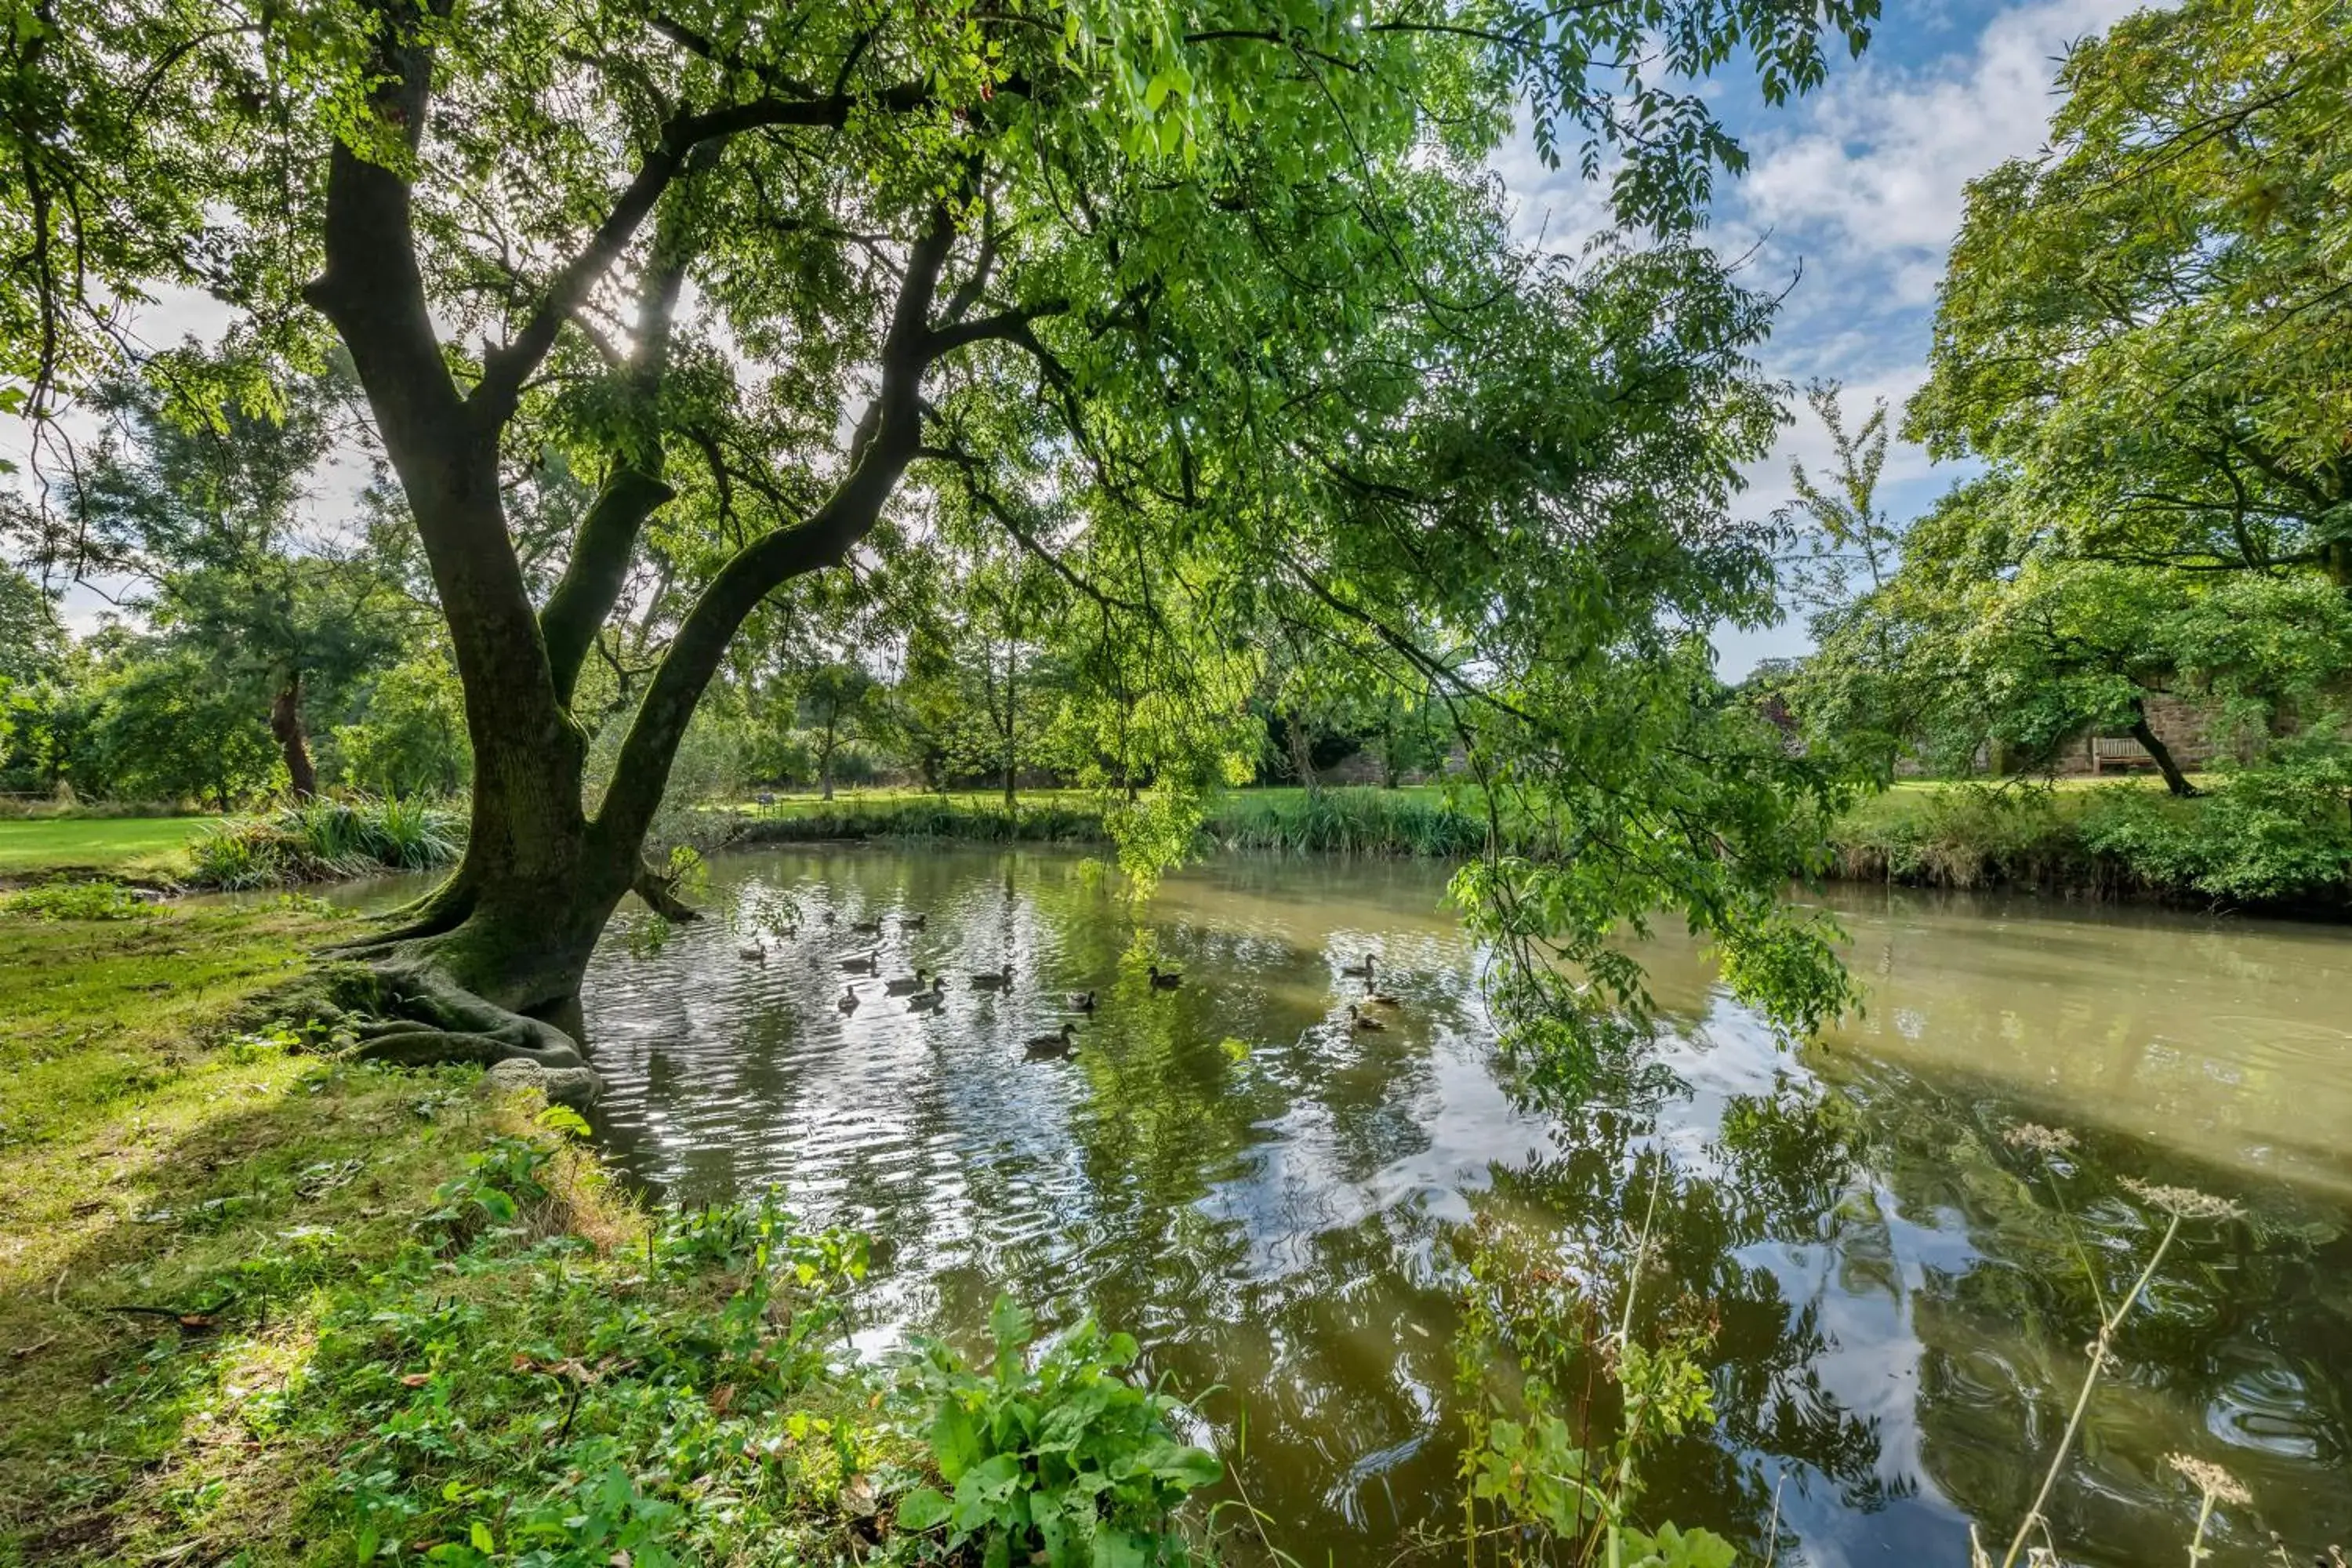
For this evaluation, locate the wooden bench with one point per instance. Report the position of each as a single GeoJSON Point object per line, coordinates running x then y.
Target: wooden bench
{"type": "Point", "coordinates": [2118, 752]}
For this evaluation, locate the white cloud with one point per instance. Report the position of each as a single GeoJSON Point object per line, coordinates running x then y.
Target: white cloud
{"type": "Point", "coordinates": [1875, 166]}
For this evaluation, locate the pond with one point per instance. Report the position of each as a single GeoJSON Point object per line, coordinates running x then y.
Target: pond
{"type": "Point", "coordinates": [1270, 1200]}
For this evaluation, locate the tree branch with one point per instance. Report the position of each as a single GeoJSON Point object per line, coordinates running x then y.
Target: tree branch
{"type": "Point", "coordinates": [506, 368]}
{"type": "Point", "coordinates": [1012, 326]}
{"type": "Point", "coordinates": [889, 439]}
{"type": "Point", "coordinates": [599, 565]}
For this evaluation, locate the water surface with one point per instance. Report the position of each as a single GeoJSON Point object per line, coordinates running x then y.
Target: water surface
{"type": "Point", "coordinates": [1268, 1199]}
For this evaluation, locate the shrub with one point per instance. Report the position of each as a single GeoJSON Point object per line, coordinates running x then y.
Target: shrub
{"type": "Point", "coordinates": [320, 838]}
{"type": "Point", "coordinates": [2273, 833]}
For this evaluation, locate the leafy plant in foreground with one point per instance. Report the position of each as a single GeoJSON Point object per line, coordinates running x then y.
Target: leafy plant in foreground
{"type": "Point", "coordinates": [1066, 1464]}
{"type": "Point", "coordinates": [1558, 1482]}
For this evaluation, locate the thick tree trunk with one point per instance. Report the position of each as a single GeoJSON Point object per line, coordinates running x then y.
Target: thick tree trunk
{"type": "Point", "coordinates": [482, 965]}
{"type": "Point", "coordinates": [286, 724]}
{"type": "Point", "coordinates": [2144, 733]}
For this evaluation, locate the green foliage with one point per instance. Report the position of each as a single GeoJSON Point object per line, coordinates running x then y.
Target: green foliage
{"type": "Point", "coordinates": [506, 1175]}
{"type": "Point", "coordinates": [2145, 324]}
{"type": "Point", "coordinates": [1556, 1462]}
{"type": "Point", "coordinates": [78, 901]}
{"type": "Point", "coordinates": [1067, 1463]}
{"type": "Point", "coordinates": [1348, 821]}
{"type": "Point", "coordinates": [167, 730]}
{"type": "Point", "coordinates": [536, 1410]}
{"type": "Point", "coordinates": [2276, 834]}
{"type": "Point", "coordinates": [2280, 832]}
{"type": "Point", "coordinates": [410, 737]}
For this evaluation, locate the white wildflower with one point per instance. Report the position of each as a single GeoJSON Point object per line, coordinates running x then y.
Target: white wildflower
{"type": "Point", "coordinates": [2210, 1478]}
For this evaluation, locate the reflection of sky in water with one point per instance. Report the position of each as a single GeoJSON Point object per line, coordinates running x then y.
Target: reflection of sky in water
{"type": "Point", "coordinates": [1268, 1217]}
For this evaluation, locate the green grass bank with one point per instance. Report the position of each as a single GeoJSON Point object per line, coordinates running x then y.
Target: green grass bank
{"type": "Point", "coordinates": [1419, 820]}
{"type": "Point", "coordinates": [263, 1304]}
{"type": "Point", "coordinates": [2242, 844]}
{"type": "Point", "coordinates": [2234, 844]}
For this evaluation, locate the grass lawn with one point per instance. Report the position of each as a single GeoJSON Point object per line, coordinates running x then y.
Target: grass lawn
{"type": "Point", "coordinates": [261, 1302]}
{"type": "Point", "coordinates": [119, 846]}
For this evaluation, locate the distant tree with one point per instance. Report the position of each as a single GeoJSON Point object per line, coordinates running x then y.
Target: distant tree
{"type": "Point", "coordinates": [835, 701]}
{"type": "Point", "coordinates": [200, 490]}
{"type": "Point", "coordinates": [410, 735]}
{"type": "Point", "coordinates": [164, 731]}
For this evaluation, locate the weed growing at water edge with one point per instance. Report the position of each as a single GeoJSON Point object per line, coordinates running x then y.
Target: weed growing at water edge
{"type": "Point", "coordinates": [1558, 1484]}
{"type": "Point", "coordinates": [322, 838]}
{"type": "Point", "coordinates": [2178, 1204]}
{"type": "Point", "coordinates": [1065, 1465]}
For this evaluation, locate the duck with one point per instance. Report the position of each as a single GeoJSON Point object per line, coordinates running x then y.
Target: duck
{"type": "Point", "coordinates": [913, 922]}
{"type": "Point", "coordinates": [929, 1001]}
{"type": "Point", "coordinates": [1080, 1001]}
{"type": "Point", "coordinates": [849, 1003]}
{"type": "Point", "coordinates": [1360, 970]}
{"type": "Point", "coordinates": [866, 966]}
{"type": "Point", "coordinates": [906, 985]}
{"type": "Point", "coordinates": [867, 928]}
{"type": "Point", "coordinates": [1057, 1043]}
{"type": "Point", "coordinates": [998, 980]}
{"type": "Point", "coordinates": [1165, 979]}
{"type": "Point", "coordinates": [755, 953]}
{"type": "Point", "coordinates": [826, 919]}
{"type": "Point", "coordinates": [1363, 1021]}
{"type": "Point", "coordinates": [1378, 998]}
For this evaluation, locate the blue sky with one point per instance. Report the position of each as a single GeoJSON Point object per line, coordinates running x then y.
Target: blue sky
{"type": "Point", "coordinates": [1861, 186]}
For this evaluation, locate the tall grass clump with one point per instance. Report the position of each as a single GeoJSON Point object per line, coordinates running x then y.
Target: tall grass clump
{"type": "Point", "coordinates": [321, 839]}
{"type": "Point", "coordinates": [930, 816]}
{"type": "Point", "coordinates": [1347, 822]}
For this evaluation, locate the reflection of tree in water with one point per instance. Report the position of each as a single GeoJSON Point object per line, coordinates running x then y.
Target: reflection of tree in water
{"type": "Point", "coordinates": [2238, 1353]}
{"type": "Point", "coordinates": [1774, 1414]}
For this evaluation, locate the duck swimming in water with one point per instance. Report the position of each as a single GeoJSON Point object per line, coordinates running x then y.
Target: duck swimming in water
{"type": "Point", "coordinates": [906, 985]}
{"type": "Point", "coordinates": [997, 980]}
{"type": "Point", "coordinates": [849, 1003]}
{"type": "Point", "coordinates": [1080, 1001]}
{"type": "Point", "coordinates": [866, 966]}
{"type": "Point", "coordinates": [1165, 979]}
{"type": "Point", "coordinates": [1363, 1021]}
{"type": "Point", "coordinates": [929, 1001]}
{"type": "Point", "coordinates": [1057, 1043]}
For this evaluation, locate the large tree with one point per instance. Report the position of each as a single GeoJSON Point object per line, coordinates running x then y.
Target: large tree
{"type": "Point", "coordinates": [2144, 334]}
{"type": "Point", "coordinates": [2149, 326]}
{"type": "Point", "coordinates": [1227, 279]}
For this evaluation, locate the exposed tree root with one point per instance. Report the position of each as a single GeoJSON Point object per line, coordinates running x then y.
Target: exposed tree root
{"type": "Point", "coordinates": [439, 912]}
{"type": "Point", "coordinates": [424, 1017]}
